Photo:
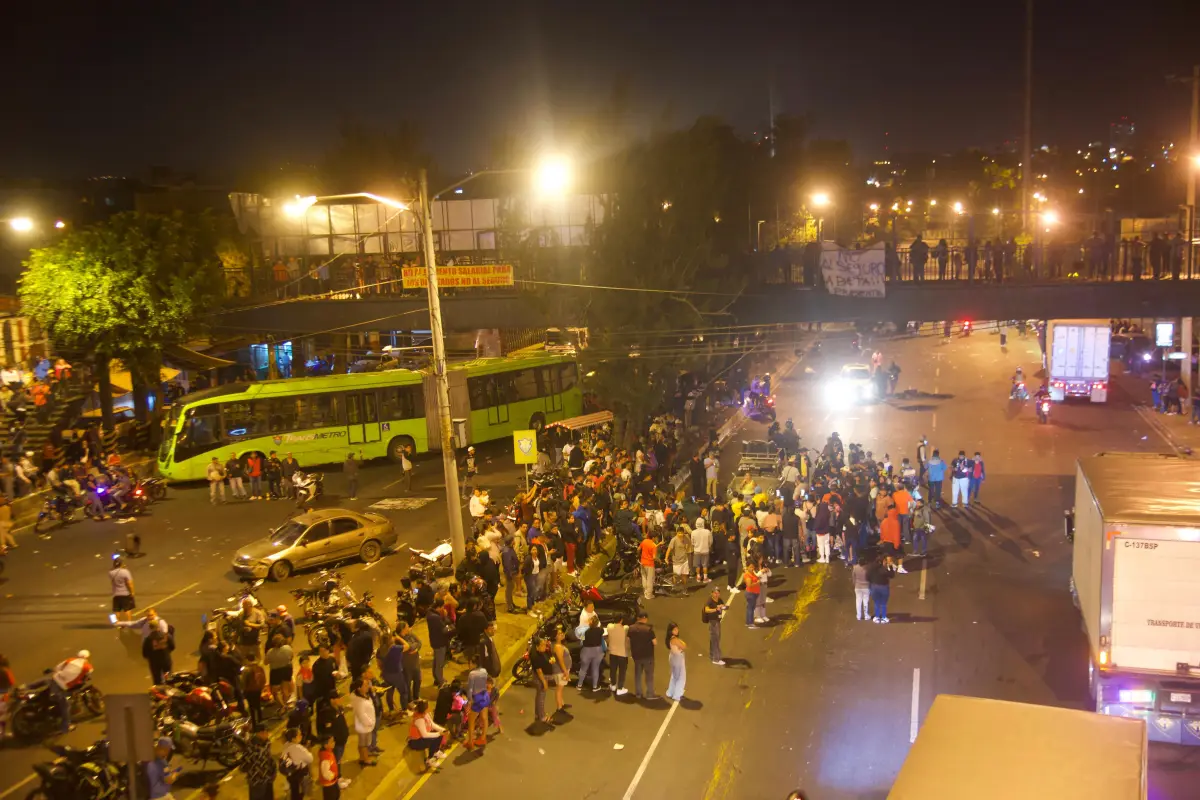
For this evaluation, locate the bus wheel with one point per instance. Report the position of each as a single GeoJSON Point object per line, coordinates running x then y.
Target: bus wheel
{"type": "Point", "coordinates": [537, 422]}
{"type": "Point", "coordinates": [397, 445]}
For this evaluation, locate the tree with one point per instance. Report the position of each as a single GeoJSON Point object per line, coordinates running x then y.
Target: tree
{"type": "Point", "coordinates": [125, 288]}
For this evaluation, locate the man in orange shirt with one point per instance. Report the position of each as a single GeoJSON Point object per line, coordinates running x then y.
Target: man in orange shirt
{"type": "Point", "coordinates": [647, 551]}
{"type": "Point", "coordinates": [904, 502]}
{"type": "Point", "coordinates": [889, 538]}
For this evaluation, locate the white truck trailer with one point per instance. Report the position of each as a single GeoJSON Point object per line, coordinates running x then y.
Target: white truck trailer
{"type": "Point", "coordinates": [1078, 358]}
{"type": "Point", "coordinates": [1135, 577]}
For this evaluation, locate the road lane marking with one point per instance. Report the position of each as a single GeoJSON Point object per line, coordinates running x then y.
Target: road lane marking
{"type": "Point", "coordinates": [921, 594]}
{"type": "Point", "coordinates": [173, 595]}
{"type": "Point", "coordinates": [17, 786]}
{"type": "Point", "coordinates": [935, 420]}
{"type": "Point", "coordinates": [650, 753]}
{"type": "Point", "coordinates": [916, 701]}
{"type": "Point", "coordinates": [806, 595]}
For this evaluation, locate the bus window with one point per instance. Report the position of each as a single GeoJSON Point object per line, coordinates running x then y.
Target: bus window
{"type": "Point", "coordinates": [282, 414]}
{"type": "Point", "coordinates": [568, 376]}
{"type": "Point", "coordinates": [325, 410]}
{"type": "Point", "coordinates": [481, 391]}
{"type": "Point", "coordinates": [244, 419]}
{"type": "Point", "coordinates": [201, 432]}
{"type": "Point", "coordinates": [401, 402]}
{"type": "Point", "coordinates": [525, 385]}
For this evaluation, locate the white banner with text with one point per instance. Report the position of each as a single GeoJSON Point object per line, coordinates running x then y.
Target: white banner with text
{"type": "Point", "coordinates": [853, 273]}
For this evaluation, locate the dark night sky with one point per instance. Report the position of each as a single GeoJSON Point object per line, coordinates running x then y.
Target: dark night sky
{"type": "Point", "coordinates": [220, 87]}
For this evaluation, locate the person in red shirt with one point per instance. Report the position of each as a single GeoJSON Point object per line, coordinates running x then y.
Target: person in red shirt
{"type": "Point", "coordinates": [889, 538]}
{"type": "Point", "coordinates": [254, 468]}
{"type": "Point", "coordinates": [647, 551]}
{"type": "Point", "coordinates": [327, 770]}
{"type": "Point", "coordinates": [904, 501]}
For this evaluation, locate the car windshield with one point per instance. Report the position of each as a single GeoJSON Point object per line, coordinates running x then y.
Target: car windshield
{"type": "Point", "coordinates": [287, 534]}
{"type": "Point", "coordinates": [856, 373]}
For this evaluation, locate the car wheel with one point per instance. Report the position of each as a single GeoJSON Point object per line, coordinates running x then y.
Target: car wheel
{"type": "Point", "coordinates": [369, 552]}
{"type": "Point", "coordinates": [397, 445]}
{"type": "Point", "coordinates": [280, 570]}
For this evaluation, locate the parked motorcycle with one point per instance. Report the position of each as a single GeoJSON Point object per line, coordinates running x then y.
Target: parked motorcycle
{"type": "Point", "coordinates": [35, 712]}
{"type": "Point", "coordinates": [309, 486]}
{"type": "Point", "coordinates": [79, 774]}
{"type": "Point", "coordinates": [57, 511]}
{"type": "Point", "coordinates": [626, 602]}
{"type": "Point", "coordinates": [326, 592]}
{"type": "Point", "coordinates": [227, 621]}
{"type": "Point", "coordinates": [224, 742]}
{"type": "Point", "coordinates": [431, 564]}
{"type": "Point", "coordinates": [189, 696]}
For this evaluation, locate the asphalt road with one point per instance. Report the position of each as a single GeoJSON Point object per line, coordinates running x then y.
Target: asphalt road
{"type": "Point", "coordinates": [55, 598]}
{"type": "Point", "coordinates": [817, 701]}
{"type": "Point", "coordinates": [824, 702]}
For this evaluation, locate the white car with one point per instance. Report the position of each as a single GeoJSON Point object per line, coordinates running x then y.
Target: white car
{"type": "Point", "coordinates": [852, 384]}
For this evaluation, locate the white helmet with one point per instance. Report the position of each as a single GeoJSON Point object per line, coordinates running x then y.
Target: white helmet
{"type": "Point", "coordinates": [85, 654]}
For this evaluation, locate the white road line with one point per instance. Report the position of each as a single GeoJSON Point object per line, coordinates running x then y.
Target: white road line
{"type": "Point", "coordinates": [17, 786]}
{"type": "Point", "coordinates": [916, 711]}
{"type": "Point", "coordinates": [395, 549]}
{"type": "Point", "coordinates": [650, 753]}
{"type": "Point", "coordinates": [173, 595]}
{"type": "Point", "coordinates": [935, 420]}
{"type": "Point", "coordinates": [921, 595]}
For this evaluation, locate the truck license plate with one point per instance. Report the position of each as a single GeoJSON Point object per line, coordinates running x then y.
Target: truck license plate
{"type": "Point", "coordinates": [1180, 697]}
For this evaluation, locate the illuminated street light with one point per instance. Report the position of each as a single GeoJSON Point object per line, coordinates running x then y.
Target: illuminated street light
{"type": "Point", "coordinates": [874, 206]}
{"type": "Point", "coordinates": [820, 199]}
{"type": "Point", "coordinates": [895, 206]}
{"type": "Point", "coordinates": [297, 207]}
{"type": "Point", "coordinates": [958, 208]}
{"type": "Point", "coordinates": [996, 212]}
{"type": "Point", "coordinates": [552, 175]}
{"type": "Point", "coordinates": [932, 201]}
{"type": "Point", "coordinates": [1050, 217]}
{"type": "Point", "coordinates": [21, 224]}
{"type": "Point", "coordinates": [60, 224]}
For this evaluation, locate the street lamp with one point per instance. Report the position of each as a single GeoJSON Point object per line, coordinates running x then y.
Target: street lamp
{"type": "Point", "coordinates": [552, 176]}
{"type": "Point", "coordinates": [874, 206]}
{"type": "Point", "coordinates": [21, 224]}
{"type": "Point", "coordinates": [1049, 218]}
{"type": "Point", "coordinates": [820, 200]}
{"type": "Point", "coordinates": [995, 212]}
{"type": "Point", "coordinates": [958, 209]}
{"type": "Point", "coordinates": [932, 201]}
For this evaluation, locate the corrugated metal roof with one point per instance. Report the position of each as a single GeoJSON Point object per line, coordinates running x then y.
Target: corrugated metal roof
{"type": "Point", "coordinates": [1145, 489]}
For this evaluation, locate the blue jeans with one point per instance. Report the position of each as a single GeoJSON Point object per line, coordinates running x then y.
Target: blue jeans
{"type": "Point", "coordinates": [751, 602]}
{"type": "Point", "coordinates": [256, 486]}
{"type": "Point", "coordinates": [879, 596]}
{"type": "Point", "coordinates": [64, 705]}
{"type": "Point", "coordinates": [906, 528]}
{"type": "Point", "coordinates": [589, 663]}
{"type": "Point", "coordinates": [791, 551]}
{"type": "Point", "coordinates": [935, 492]}
{"type": "Point", "coordinates": [851, 548]}
{"type": "Point", "coordinates": [531, 583]}
{"type": "Point", "coordinates": [920, 540]}
{"type": "Point", "coordinates": [678, 677]}
{"type": "Point", "coordinates": [973, 488]}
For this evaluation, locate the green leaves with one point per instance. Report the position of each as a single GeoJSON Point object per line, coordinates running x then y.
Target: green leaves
{"type": "Point", "coordinates": [126, 286]}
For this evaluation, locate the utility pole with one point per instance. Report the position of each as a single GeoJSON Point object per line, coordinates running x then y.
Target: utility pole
{"type": "Point", "coordinates": [1190, 167]}
{"type": "Point", "coordinates": [441, 380]}
{"type": "Point", "coordinates": [1027, 155]}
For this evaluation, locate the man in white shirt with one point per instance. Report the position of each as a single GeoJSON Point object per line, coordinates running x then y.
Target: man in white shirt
{"type": "Point", "coordinates": [478, 504]}
{"type": "Point", "coordinates": [711, 468]}
{"type": "Point", "coordinates": [701, 547]}
{"type": "Point", "coordinates": [11, 377]}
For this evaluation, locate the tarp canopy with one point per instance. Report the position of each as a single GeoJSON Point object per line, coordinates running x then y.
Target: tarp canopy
{"type": "Point", "coordinates": [584, 421]}
{"type": "Point", "coordinates": [187, 358]}
{"type": "Point", "coordinates": [122, 382]}
{"type": "Point", "coordinates": [970, 747]}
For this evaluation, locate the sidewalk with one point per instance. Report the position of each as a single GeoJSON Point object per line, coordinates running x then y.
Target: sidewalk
{"type": "Point", "coordinates": [399, 768]}
{"type": "Point", "coordinates": [1175, 429]}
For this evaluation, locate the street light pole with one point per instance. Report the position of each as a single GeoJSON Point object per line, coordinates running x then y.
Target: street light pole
{"type": "Point", "coordinates": [1027, 155]}
{"type": "Point", "coordinates": [441, 379]}
{"type": "Point", "coordinates": [1190, 168]}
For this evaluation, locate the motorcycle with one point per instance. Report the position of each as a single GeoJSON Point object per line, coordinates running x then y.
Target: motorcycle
{"type": "Point", "coordinates": [35, 711]}
{"type": "Point", "coordinates": [57, 511]}
{"type": "Point", "coordinates": [627, 602]}
{"type": "Point", "coordinates": [227, 621]}
{"type": "Point", "coordinates": [432, 564]}
{"type": "Point", "coordinates": [760, 408]}
{"type": "Point", "coordinates": [224, 742]}
{"type": "Point", "coordinates": [327, 592]}
{"type": "Point", "coordinates": [132, 505]}
{"type": "Point", "coordinates": [188, 696]}
{"type": "Point", "coordinates": [309, 486]}
{"type": "Point", "coordinates": [1019, 392]}
{"type": "Point", "coordinates": [966, 328]}
{"type": "Point", "coordinates": [1043, 410]}
{"type": "Point", "coordinates": [155, 489]}
{"type": "Point", "coordinates": [79, 774]}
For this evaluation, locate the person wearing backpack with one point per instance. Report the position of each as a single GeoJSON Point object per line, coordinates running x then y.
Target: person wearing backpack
{"type": "Point", "coordinates": [295, 764]}
{"type": "Point", "coordinates": [156, 649]}
{"type": "Point", "coordinates": [253, 680]}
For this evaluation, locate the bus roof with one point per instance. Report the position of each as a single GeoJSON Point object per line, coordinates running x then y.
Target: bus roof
{"type": "Point", "coordinates": [994, 749]}
{"type": "Point", "coordinates": [290, 386]}
{"type": "Point", "coordinates": [487, 366]}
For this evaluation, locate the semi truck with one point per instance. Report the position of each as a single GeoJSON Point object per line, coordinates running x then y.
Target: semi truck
{"type": "Point", "coordinates": [1078, 359]}
{"type": "Point", "coordinates": [1135, 577]}
{"type": "Point", "coordinates": [982, 749]}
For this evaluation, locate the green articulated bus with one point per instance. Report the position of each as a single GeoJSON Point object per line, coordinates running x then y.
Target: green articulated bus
{"type": "Point", "coordinates": [321, 420]}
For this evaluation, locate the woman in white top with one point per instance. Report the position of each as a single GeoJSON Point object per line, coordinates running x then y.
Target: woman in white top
{"type": "Point", "coordinates": [364, 721]}
{"type": "Point", "coordinates": [297, 754]}
{"type": "Point", "coordinates": [618, 655]}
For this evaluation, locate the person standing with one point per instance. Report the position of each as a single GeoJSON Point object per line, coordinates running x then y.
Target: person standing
{"type": "Point", "coordinates": [642, 642]}
{"type": "Point", "coordinates": [862, 589]}
{"type": "Point", "coordinates": [701, 548]}
{"type": "Point", "coordinates": [253, 622]}
{"type": "Point", "coordinates": [121, 580]}
{"type": "Point", "coordinates": [512, 573]}
{"type": "Point", "coordinates": [976, 477]}
{"type": "Point", "coordinates": [921, 528]}
{"type": "Point", "coordinates": [714, 609]}
{"type": "Point", "coordinates": [406, 467]}
{"type": "Point", "coordinates": [679, 554]}
{"type": "Point", "coordinates": [295, 762]}
{"type": "Point", "coordinates": [362, 705]}
{"type": "Point", "coordinates": [234, 471]}
{"type": "Point", "coordinates": [560, 667]}
{"type": "Point", "coordinates": [279, 657]}
{"type": "Point", "coordinates": [904, 500]}
{"type": "Point", "coordinates": [918, 255]}
{"type": "Point", "coordinates": [647, 552]}
{"type": "Point", "coordinates": [879, 576]}
{"type": "Point", "coordinates": [215, 473]}
{"type": "Point", "coordinates": [752, 590]}
{"type": "Point", "coordinates": [254, 471]}
{"type": "Point", "coordinates": [592, 655]}
{"type": "Point", "coordinates": [616, 635]}
{"type": "Point", "coordinates": [539, 663]}
{"type": "Point", "coordinates": [253, 680]}
{"type": "Point", "coordinates": [350, 468]}
{"type": "Point", "coordinates": [676, 648]}
{"type": "Point", "coordinates": [711, 469]}
{"type": "Point", "coordinates": [288, 470]}
{"type": "Point", "coordinates": [439, 638]}
{"type": "Point", "coordinates": [479, 700]}
{"type": "Point", "coordinates": [274, 473]}
{"type": "Point", "coordinates": [159, 776]}
{"type": "Point", "coordinates": [259, 764]}
{"type": "Point", "coordinates": [936, 470]}
{"type": "Point", "coordinates": [960, 475]}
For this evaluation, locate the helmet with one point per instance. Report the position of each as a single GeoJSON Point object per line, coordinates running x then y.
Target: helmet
{"type": "Point", "coordinates": [281, 609]}
{"type": "Point", "coordinates": [84, 654]}
{"type": "Point", "coordinates": [471, 449]}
